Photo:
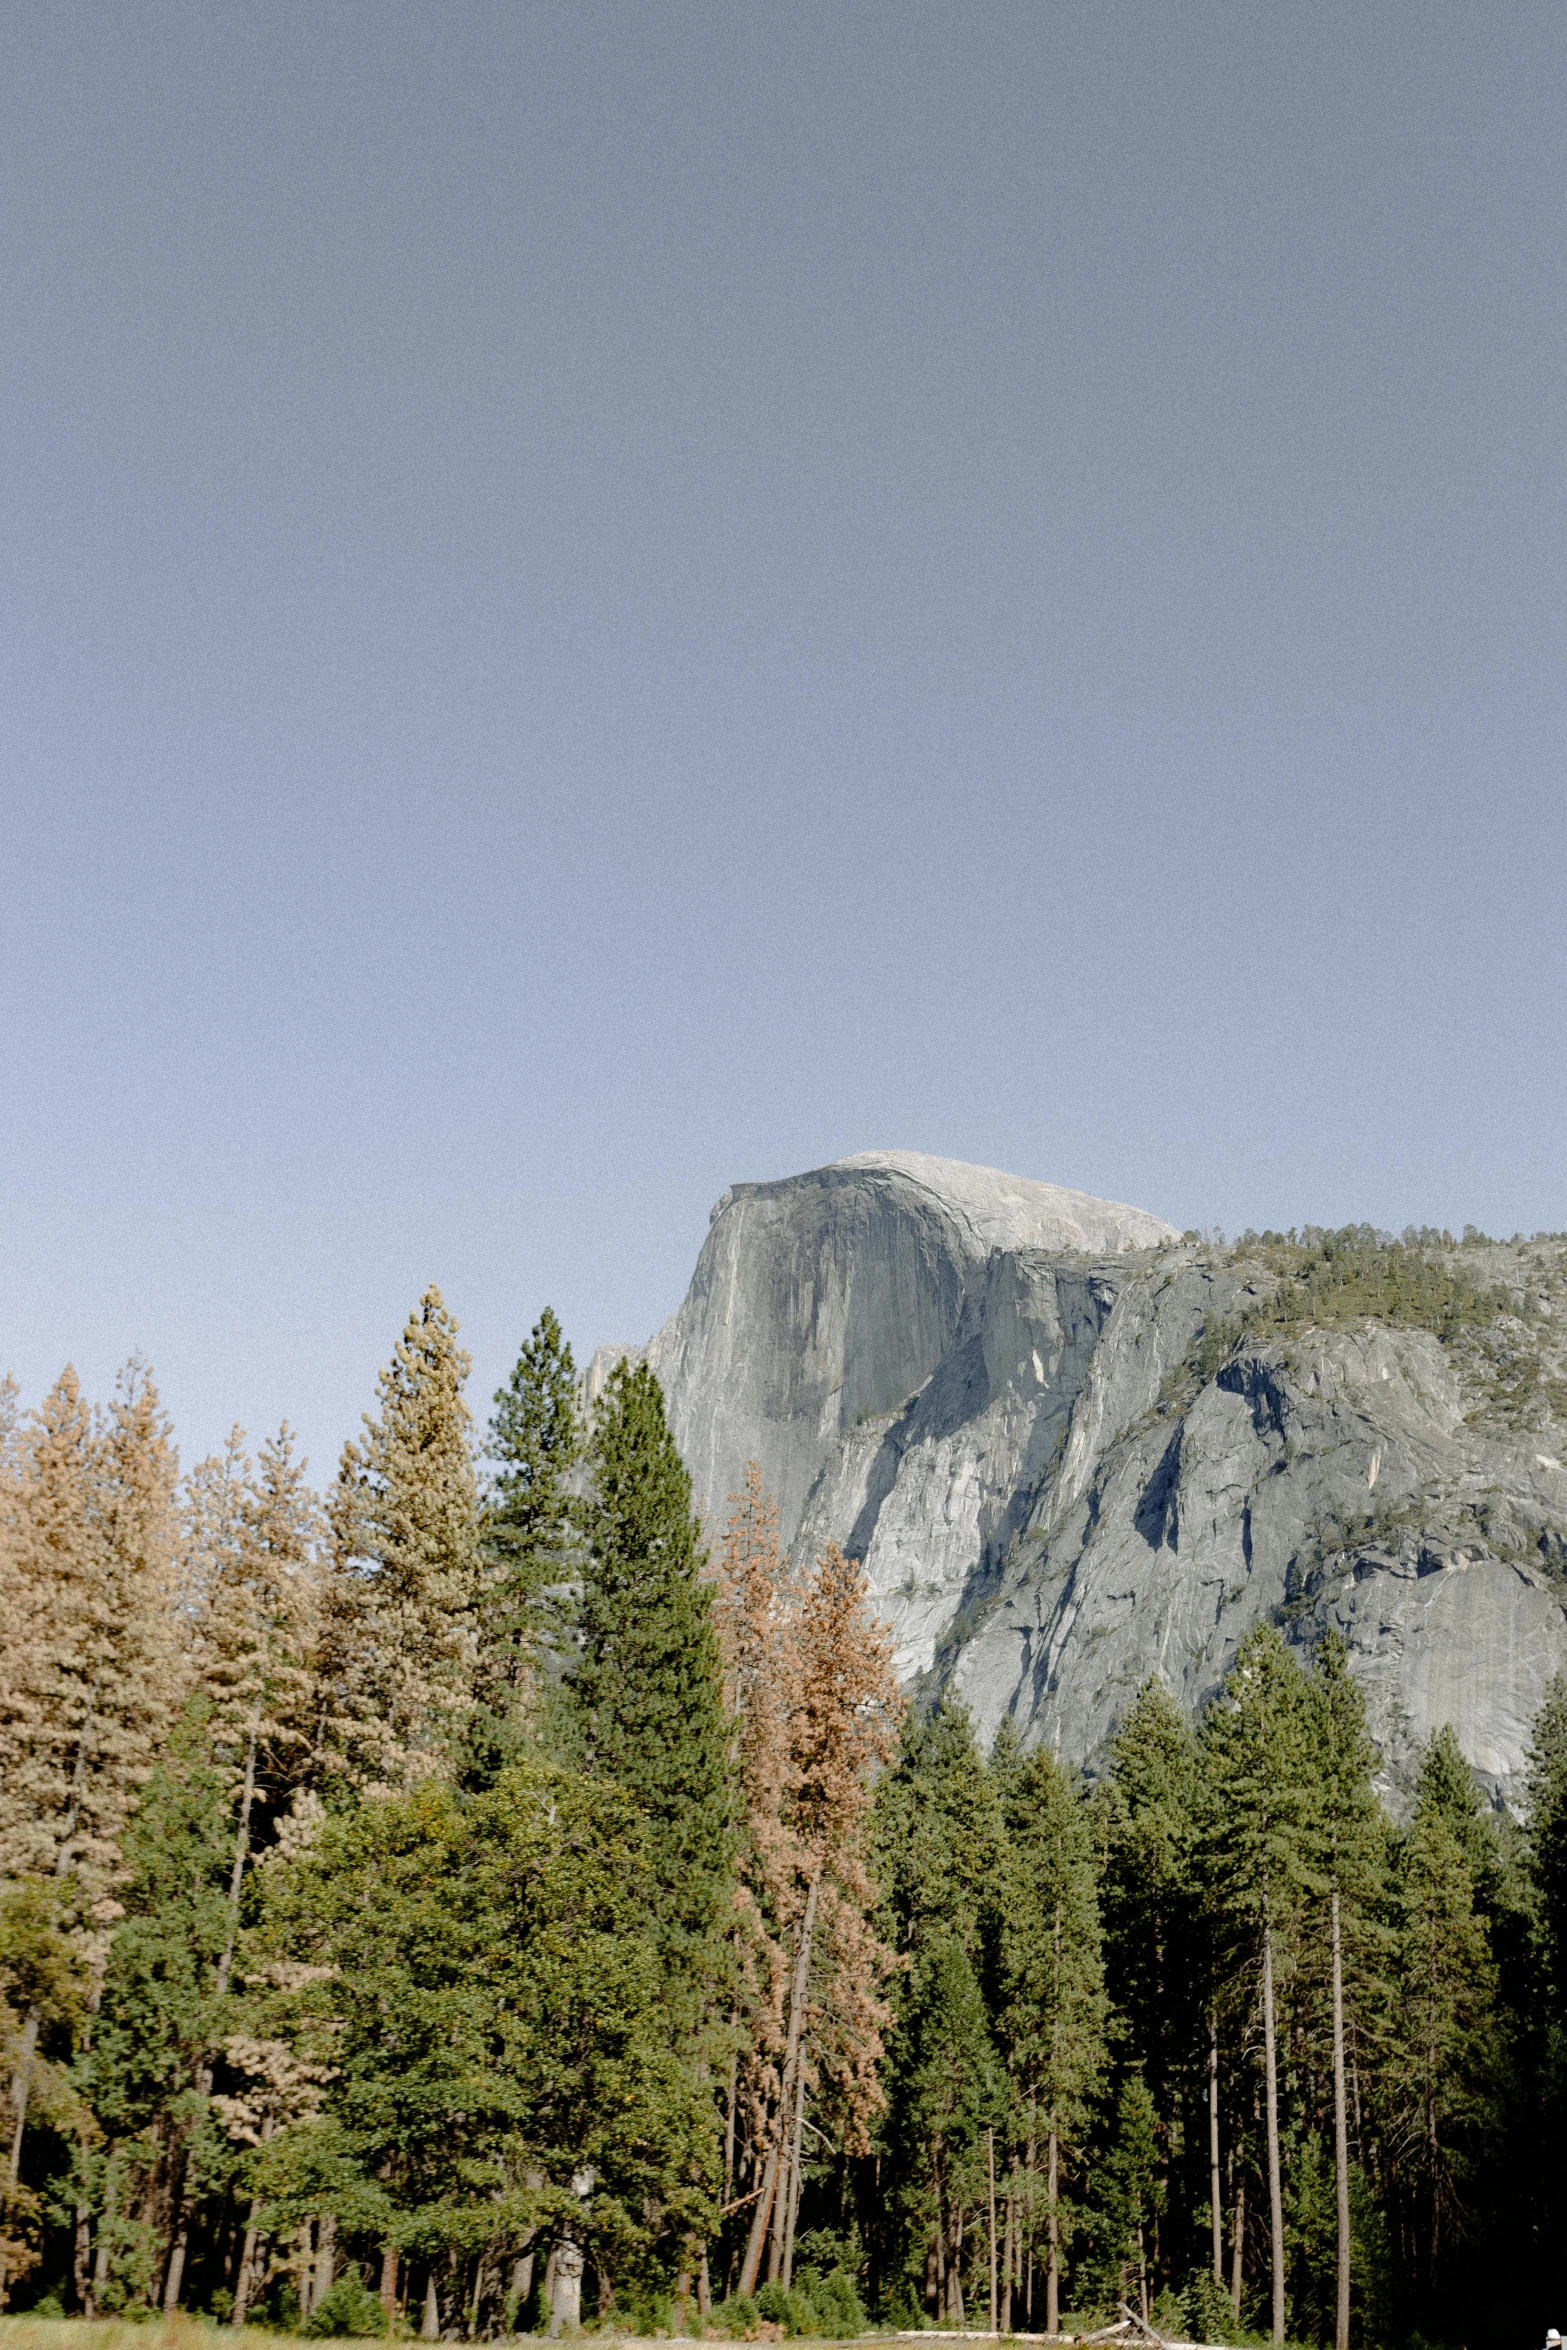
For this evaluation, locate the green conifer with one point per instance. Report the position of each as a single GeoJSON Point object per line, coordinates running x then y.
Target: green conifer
{"type": "Point", "coordinates": [1053, 2009]}
{"type": "Point", "coordinates": [1347, 1843]}
{"type": "Point", "coordinates": [1548, 1832]}
{"type": "Point", "coordinates": [1147, 1811]}
{"type": "Point", "coordinates": [648, 1683]}
{"type": "Point", "coordinates": [531, 1534]}
{"type": "Point", "coordinates": [1447, 2062]}
{"type": "Point", "coordinates": [1256, 1759]}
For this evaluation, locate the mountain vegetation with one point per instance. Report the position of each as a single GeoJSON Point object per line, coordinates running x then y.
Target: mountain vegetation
{"type": "Point", "coordinates": [461, 1900]}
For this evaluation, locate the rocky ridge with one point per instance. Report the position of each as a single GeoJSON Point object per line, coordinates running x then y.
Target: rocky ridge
{"type": "Point", "coordinates": [1073, 1447]}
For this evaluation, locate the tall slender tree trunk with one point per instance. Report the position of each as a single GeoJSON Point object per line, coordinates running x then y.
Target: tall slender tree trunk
{"type": "Point", "coordinates": [762, 2217]}
{"type": "Point", "coordinates": [174, 2274]}
{"type": "Point", "coordinates": [1275, 2183]}
{"type": "Point", "coordinates": [1215, 2203]}
{"type": "Point", "coordinates": [326, 2260]}
{"type": "Point", "coordinates": [21, 2091]}
{"type": "Point", "coordinates": [796, 2172]}
{"type": "Point", "coordinates": [246, 2271]}
{"type": "Point", "coordinates": [729, 2121]}
{"type": "Point", "coordinates": [81, 2260]}
{"type": "Point", "coordinates": [102, 2255]}
{"type": "Point", "coordinates": [1009, 2251]}
{"type": "Point", "coordinates": [1030, 2218]}
{"type": "Point", "coordinates": [63, 1863]}
{"type": "Point", "coordinates": [955, 2304]}
{"type": "Point", "coordinates": [1340, 2134]}
{"type": "Point", "coordinates": [1052, 2232]}
{"type": "Point", "coordinates": [990, 2165]}
{"type": "Point", "coordinates": [180, 2240]}
{"type": "Point", "coordinates": [1237, 2244]}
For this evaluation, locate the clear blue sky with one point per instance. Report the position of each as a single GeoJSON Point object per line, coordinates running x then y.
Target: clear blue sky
{"type": "Point", "coordinates": [604, 599]}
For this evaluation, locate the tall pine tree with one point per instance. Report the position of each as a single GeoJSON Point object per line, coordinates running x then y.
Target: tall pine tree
{"type": "Point", "coordinates": [1053, 2010]}
{"type": "Point", "coordinates": [1348, 1844]}
{"type": "Point", "coordinates": [1256, 1764]}
{"type": "Point", "coordinates": [648, 1682]}
{"type": "Point", "coordinates": [1446, 2063]}
{"type": "Point", "coordinates": [531, 1537]}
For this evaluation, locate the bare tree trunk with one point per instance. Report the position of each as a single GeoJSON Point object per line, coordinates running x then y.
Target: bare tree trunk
{"type": "Point", "coordinates": [182, 2212]}
{"type": "Point", "coordinates": [22, 2089]}
{"type": "Point", "coordinates": [241, 1855]}
{"type": "Point", "coordinates": [174, 2277]}
{"type": "Point", "coordinates": [704, 2290]}
{"type": "Point", "coordinates": [1213, 2149]}
{"type": "Point", "coordinates": [1052, 2232]}
{"type": "Point", "coordinates": [1340, 2135]}
{"type": "Point", "coordinates": [1237, 2242]}
{"type": "Point", "coordinates": [990, 2167]}
{"type": "Point", "coordinates": [389, 2282]}
{"type": "Point", "coordinates": [326, 2259]}
{"type": "Point", "coordinates": [1030, 2220]}
{"type": "Point", "coordinates": [1008, 2256]}
{"type": "Point", "coordinates": [430, 2328]}
{"type": "Point", "coordinates": [100, 2269]}
{"type": "Point", "coordinates": [729, 2126]}
{"type": "Point", "coordinates": [956, 2312]}
{"type": "Point", "coordinates": [797, 1991]}
{"type": "Point", "coordinates": [797, 2157]}
{"type": "Point", "coordinates": [243, 2285]}
{"type": "Point", "coordinates": [81, 2259]}
{"type": "Point", "coordinates": [521, 2286]}
{"type": "Point", "coordinates": [1275, 2183]}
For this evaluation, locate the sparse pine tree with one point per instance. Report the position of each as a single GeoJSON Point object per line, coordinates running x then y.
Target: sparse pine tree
{"type": "Point", "coordinates": [398, 1633]}
{"type": "Point", "coordinates": [95, 1674]}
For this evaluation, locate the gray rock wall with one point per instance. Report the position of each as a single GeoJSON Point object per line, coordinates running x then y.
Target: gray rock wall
{"type": "Point", "coordinates": [966, 1379]}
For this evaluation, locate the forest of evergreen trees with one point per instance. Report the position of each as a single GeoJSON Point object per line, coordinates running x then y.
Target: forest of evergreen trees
{"type": "Point", "coordinates": [459, 1900]}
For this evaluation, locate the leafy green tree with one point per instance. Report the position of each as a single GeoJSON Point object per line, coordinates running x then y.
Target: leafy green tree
{"type": "Point", "coordinates": [484, 1988]}
{"type": "Point", "coordinates": [648, 1683]}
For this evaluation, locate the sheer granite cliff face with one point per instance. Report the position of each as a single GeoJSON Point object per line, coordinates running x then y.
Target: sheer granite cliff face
{"type": "Point", "coordinates": [985, 1388]}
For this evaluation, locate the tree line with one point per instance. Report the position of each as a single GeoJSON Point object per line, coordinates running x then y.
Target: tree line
{"type": "Point", "coordinates": [460, 1903]}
